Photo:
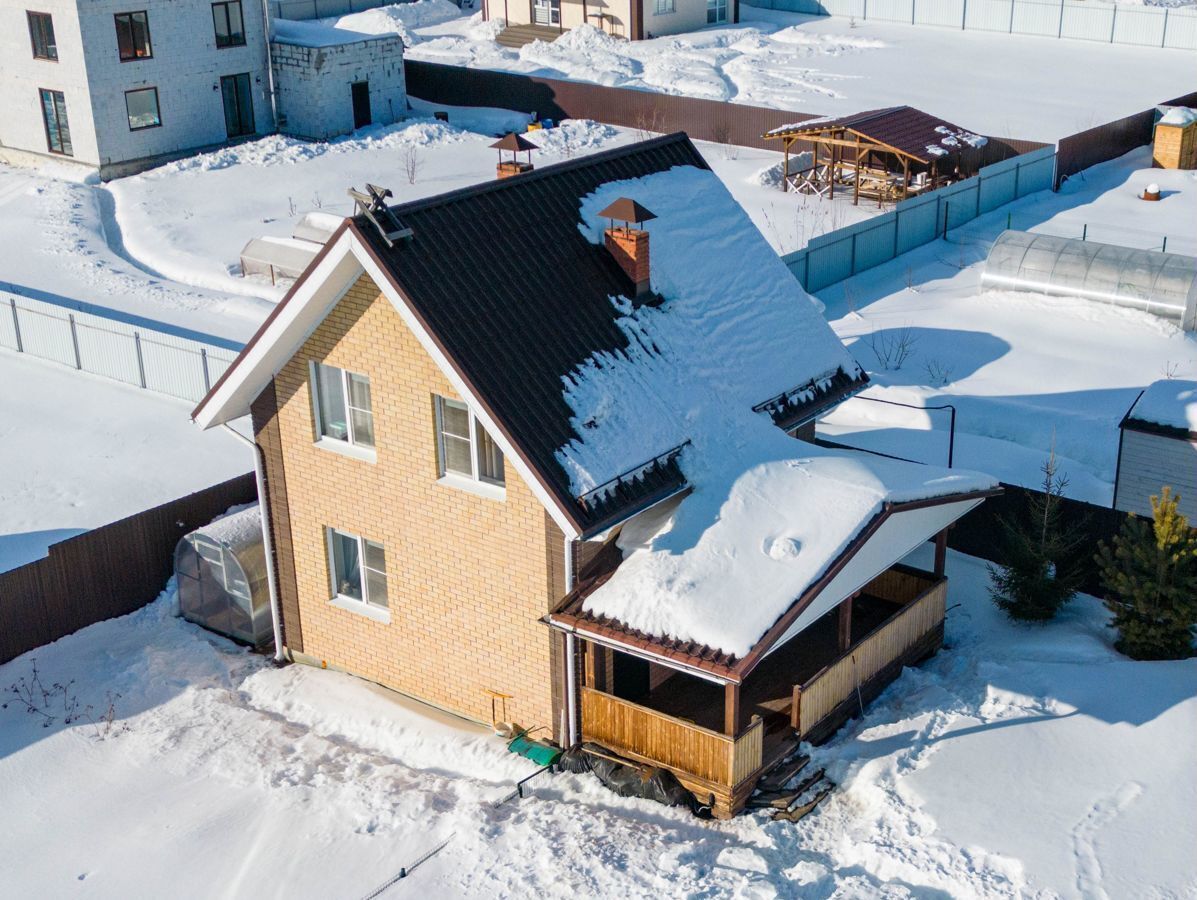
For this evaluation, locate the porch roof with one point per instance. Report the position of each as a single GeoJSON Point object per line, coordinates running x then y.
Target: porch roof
{"type": "Point", "coordinates": [714, 583]}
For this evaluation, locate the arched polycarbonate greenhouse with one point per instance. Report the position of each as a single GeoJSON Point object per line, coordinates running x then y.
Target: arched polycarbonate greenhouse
{"type": "Point", "coordinates": [221, 575]}
{"type": "Point", "coordinates": [1164, 284]}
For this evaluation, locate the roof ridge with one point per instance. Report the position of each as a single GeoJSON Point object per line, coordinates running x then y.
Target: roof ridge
{"type": "Point", "coordinates": [568, 165]}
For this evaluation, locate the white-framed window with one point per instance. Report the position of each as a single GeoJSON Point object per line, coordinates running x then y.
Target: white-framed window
{"type": "Point", "coordinates": [343, 410]}
{"type": "Point", "coordinates": [357, 569]}
{"type": "Point", "coordinates": [716, 11]}
{"type": "Point", "coordinates": [464, 448]}
{"type": "Point", "coordinates": [664, 7]}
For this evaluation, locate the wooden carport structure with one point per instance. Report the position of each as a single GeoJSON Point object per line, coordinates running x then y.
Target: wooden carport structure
{"type": "Point", "coordinates": [882, 154]}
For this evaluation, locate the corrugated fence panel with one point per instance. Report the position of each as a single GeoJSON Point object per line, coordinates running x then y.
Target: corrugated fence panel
{"type": "Point", "coordinates": [1142, 26]}
{"type": "Point", "coordinates": [876, 245]}
{"type": "Point", "coordinates": [988, 15]}
{"type": "Point", "coordinates": [8, 331]}
{"type": "Point", "coordinates": [944, 13]}
{"type": "Point", "coordinates": [918, 222]}
{"type": "Point", "coordinates": [890, 10]}
{"type": "Point", "coordinates": [108, 353]}
{"type": "Point", "coordinates": [1038, 172]}
{"type": "Point", "coordinates": [828, 263]}
{"type": "Point", "coordinates": [172, 370]}
{"type": "Point", "coordinates": [1036, 18]}
{"type": "Point", "coordinates": [1181, 31]}
{"type": "Point", "coordinates": [1087, 21]}
{"type": "Point", "coordinates": [46, 335]}
{"type": "Point", "coordinates": [998, 186]}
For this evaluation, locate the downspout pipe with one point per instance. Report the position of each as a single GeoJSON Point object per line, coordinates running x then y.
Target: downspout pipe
{"type": "Point", "coordinates": [270, 67]}
{"type": "Point", "coordinates": [571, 662]}
{"type": "Point", "coordinates": [267, 542]}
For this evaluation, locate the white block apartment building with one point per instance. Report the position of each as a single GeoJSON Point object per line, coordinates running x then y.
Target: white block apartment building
{"type": "Point", "coordinates": [115, 84]}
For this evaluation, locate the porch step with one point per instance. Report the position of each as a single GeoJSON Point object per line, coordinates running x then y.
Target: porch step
{"type": "Point", "coordinates": [779, 776]}
{"type": "Point", "coordinates": [515, 36]}
{"type": "Point", "coordinates": [822, 787]}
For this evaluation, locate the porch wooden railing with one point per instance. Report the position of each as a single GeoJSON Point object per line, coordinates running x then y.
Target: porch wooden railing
{"type": "Point", "coordinates": [837, 682]}
{"type": "Point", "coordinates": [653, 736]}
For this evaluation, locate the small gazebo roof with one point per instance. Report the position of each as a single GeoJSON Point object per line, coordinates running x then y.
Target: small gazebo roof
{"type": "Point", "coordinates": [627, 210]}
{"type": "Point", "coordinates": [513, 142]}
{"type": "Point", "coordinates": [901, 129]}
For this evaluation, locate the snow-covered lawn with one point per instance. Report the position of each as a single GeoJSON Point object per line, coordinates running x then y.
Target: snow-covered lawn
{"type": "Point", "coordinates": [1019, 762]}
{"type": "Point", "coordinates": [1023, 369]}
{"type": "Point", "coordinates": [77, 451]}
{"type": "Point", "coordinates": [999, 84]}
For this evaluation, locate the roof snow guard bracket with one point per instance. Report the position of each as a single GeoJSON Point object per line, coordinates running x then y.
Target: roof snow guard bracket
{"type": "Point", "coordinates": [802, 403]}
{"type": "Point", "coordinates": [636, 489]}
{"type": "Point", "coordinates": [373, 206]}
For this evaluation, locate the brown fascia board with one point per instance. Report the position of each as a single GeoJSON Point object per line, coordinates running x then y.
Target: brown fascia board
{"type": "Point", "coordinates": [274, 314]}
{"type": "Point", "coordinates": [744, 666]}
{"type": "Point", "coordinates": [566, 508]}
{"type": "Point", "coordinates": [1129, 423]}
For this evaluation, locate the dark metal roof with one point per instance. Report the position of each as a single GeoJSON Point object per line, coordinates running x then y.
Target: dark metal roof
{"type": "Point", "coordinates": [626, 210]}
{"type": "Point", "coordinates": [513, 142]}
{"type": "Point", "coordinates": [904, 128]}
{"type": "Point", "coordinates": [518, 298]}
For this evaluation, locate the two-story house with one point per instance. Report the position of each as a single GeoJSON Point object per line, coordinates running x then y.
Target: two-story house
{"type": "Point", "coordinates": [529, 20]}
{"type": "Point", "coordinates": [538, 440]}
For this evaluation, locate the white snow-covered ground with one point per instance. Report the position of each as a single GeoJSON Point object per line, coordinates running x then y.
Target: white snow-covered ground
{"type": "Point", "coordinates": [77, 451]}
{"type": "Point", "coordinates": [997, 84]}
{"type": "Point", "coordinates": [1024, 370]}
{"type": "Point", "coordinates": [1020, 762]}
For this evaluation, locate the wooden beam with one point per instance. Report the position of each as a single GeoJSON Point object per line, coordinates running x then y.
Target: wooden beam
{"type": "Point", "coordinates": [785, 168]}
{"type": "Point", "coordinates": [731, 709]}
{"type": "Point", "coordinates": [856, 180]}
{"type": "Point", "coordinates": [905, 178]}
{"type": "Point", "coordinates": [846, 624]}
{"type": "Point", "coordinates": [941, 552]}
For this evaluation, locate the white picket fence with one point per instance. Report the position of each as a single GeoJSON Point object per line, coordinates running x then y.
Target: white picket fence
{"type": "Point", "coordinates": [1085, 20]}
{"type": "Point", "coordinates": [842, 253]}
{"type": "Point", "coordinates": [141, 356]}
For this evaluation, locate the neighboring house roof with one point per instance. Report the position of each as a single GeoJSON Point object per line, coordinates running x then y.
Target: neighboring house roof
{"type": "Point", "coordinates": [1168, 408]}
{"type": "Point", "coordinates": [919, 135]}
{"type": "Point", "coordinates": [506, 288]}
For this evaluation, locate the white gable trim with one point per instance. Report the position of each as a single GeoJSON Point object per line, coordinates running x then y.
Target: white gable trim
{"type": "Point", "coordinates": [322, 288]}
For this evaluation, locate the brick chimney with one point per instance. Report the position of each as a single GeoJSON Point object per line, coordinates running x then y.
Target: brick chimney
{"type": "Point", "coordinates": [628, 242]}
{"type": "Point", "coordinates": [513, 144]}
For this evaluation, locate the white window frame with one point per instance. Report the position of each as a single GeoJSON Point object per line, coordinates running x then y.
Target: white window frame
{"type": "Point", "coordinates": [475, 481]}
{"type": "Point", "coordinates": [349, 445]}
{"type": "Point", "coordinates": [665, 7]}
{"type": "Point", "coordinates": [717, 12]}
{"type": "Point", "coordinates": [353, 604]}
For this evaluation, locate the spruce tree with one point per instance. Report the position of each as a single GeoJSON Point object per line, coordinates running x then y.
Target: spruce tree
{"type": "Point", "coordinates": [1042, 570]}
{"type": "Point", "coordinates": [1150, 577]}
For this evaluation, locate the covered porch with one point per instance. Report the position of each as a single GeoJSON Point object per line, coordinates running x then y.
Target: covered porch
{"type": "Point", "coordinates": [718, 735]}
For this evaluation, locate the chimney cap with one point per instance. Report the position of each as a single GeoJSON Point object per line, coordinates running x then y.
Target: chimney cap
{"type": "Point", "coordinates": [626, 210]}
{"type": "Point", "coordinates": [513, 142]}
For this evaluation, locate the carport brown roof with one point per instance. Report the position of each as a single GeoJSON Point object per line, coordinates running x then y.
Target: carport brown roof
{"type": "Point", "coordinates": [903, 128]}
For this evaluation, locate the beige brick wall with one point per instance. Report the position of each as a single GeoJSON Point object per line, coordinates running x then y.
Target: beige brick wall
{"type": "Point", "coordinates": [468, 576]}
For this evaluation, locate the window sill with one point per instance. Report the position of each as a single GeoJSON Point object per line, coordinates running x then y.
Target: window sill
{"type": "Point", "coordinates": [343, 448]}
{"type": "Point", "coordinates": [361, 608]}
{"type": "Point", "coordinates": [481, 488]}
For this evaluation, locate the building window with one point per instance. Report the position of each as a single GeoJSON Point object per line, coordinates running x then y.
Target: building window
{"type": "Point", "coordinates": [357, 569]}
{"type": "Point", "coordinates": [238, 105]}
{"type": "Point", "coordinates": [343, 410]}
{"type": "Point", "coordinates": [665, 6]}
{"type": "Point", "coordinates": [41, 33]}
{"type": "Point", "coordinates": [716, 11]}
{"type": "Point", "coordinates": [133, 36]}
{"type": "Point", "coordinates": [142, 108]}
{"type": "Point", "coordinates": [54, 117]}
{"type": "Point", "coordinates": [464, 447]}
{"type": "Point", "coordinates": [226, 18]}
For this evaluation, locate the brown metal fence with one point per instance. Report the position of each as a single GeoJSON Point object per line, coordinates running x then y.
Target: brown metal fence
{"type": "Point", "coordinates": [1079, 151]}
{"type": "Point", "coordinates": [108, 571]}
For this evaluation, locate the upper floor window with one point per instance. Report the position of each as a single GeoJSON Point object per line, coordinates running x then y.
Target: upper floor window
{"type": "Point", "coordinates": [343, 410]}
{"type": "Point", "coordinates": [142, 108]}
{"type": "Point", "coordinates": [664, 7]}
{"type": "Point", "coordinates": [464, 447]}
{"type": "Point", "coordinates": [41, 33]}
{"type": "Point", "coordinates": [133, 36]}
{"type": "Point", "coordinates": [357, 568]}
{"type": "Point", "coordinates": [230, 30]}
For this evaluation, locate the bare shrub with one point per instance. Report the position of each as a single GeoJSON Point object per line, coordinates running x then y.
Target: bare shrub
{"type": "Point", "coordinates": [411, 163]}
{"type": "Point", "coordinates": [1170, 369]}
{"type": "Point", "coordinates": [910, 280]}
{"type": "Point", "coordinates": [649, 124]}
{"type": "Point", "coordinates": [938, 374]}
{"type": "Point", "coordinates": [893, 347]}
{"type": "Point", "coordinates": [722, 134]}
{"type": "Point", "coordinates": [60, 701]}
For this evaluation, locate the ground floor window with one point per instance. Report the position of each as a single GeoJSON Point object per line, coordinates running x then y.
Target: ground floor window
{"type": "Point", "coordinates": [142, 108]}
{"type": "Point", "coordinates": [238, 105]}
{"type": "Point", "coordinates": [357, 568]}
{"type": "Point", "coordinates": [464, 447]}
{"type": "Point", "coordinates": [54, 117]}
{"type": "Point", "coordinates": [716, 11]}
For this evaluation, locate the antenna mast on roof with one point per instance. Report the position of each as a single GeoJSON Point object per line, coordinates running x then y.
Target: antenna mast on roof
{"type": "Point", "coordinates": [373, 205]}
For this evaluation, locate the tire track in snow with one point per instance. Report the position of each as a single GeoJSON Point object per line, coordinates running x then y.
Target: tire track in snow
{"type": "Point", "coordinates": [1089, 874]}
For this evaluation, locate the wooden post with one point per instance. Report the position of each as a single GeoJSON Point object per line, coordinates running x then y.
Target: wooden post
{"type": "Point", "coordinates": [905, 176]}
{"type": "Point", "coordinates": [785, 166]}
{"type": "Point", "coordinates": [856, 169]}
{"type": "Point", "coordinates": [941, 553]}
{"type": "Point", "coordinates": [845, 624]}
{"type": "Point", "coordinates": [589, 665]}
{"type": "Point", "coordinates": [731, 709]}
{"type": "Point", "coordinates": [831, 173]}
{"type": "Point", "coordinates": [796, 708]}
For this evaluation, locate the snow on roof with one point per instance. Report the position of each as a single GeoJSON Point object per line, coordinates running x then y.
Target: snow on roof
{"type": "Point", "coordinates": [316, 34]}
{"type": "Point", "coordinates": [1179, 115]}
{"type": "Point", "coordinates": [239, 526]}
{"type": "Point", "coordinates": [735, 330]}
{"type": "Point", "coordinates": [1171, 403]}
{"type": "Point", "coordinates": [767, 514]}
